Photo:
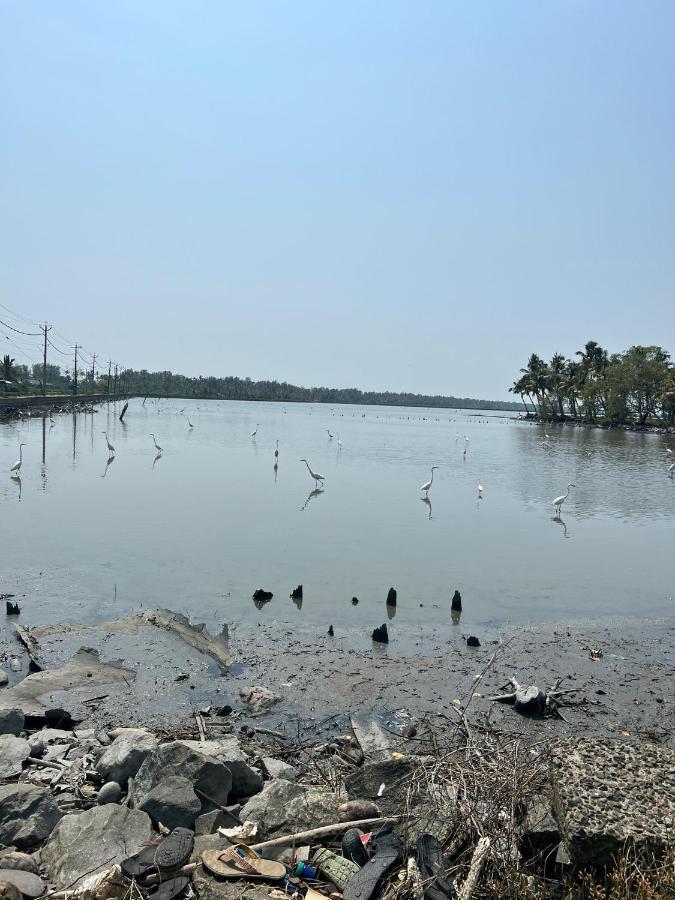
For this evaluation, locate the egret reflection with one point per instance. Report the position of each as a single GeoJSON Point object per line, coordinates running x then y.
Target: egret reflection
{"type": "Point", "coordinates": [427, 502]}
{"type": "Point", "coordinates": [559, 521]}
{"type": "Point", "coordinates": [154, 462]}
{"type": "Point", "coordinates": [17, 481]}
{"type": "Point", "coordinates": [111, 460]}
{"type": "Point", "coordinates": [312, 494]}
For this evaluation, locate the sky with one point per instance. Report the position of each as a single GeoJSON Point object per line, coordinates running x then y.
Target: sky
{"type": "Point", "coordinates": [385, 195]}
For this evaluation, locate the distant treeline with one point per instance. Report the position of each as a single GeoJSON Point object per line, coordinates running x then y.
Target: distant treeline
{"type": "Point", "coordinates": [168, 384]}
{"type": "Point", "coordinates": [634, 387]}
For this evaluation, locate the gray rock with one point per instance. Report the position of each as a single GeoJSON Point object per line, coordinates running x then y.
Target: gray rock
{"type": "Point", "coordinates": [277, 768]}
{"type": "Point", "coordinates": [37, 746]}
{"type": "Point", "coordinates": [209, 888]}
{"type": "Point", "coordinates": [539, 833]}
{"type": "Point", "coordinates": [103, 739]}
{"type": "Point", "coordinates": [285, 807]}
{"type": "Point", "coordinates": [124, 757]}
{"type": "Point", "coordinates": [172, 803]}
{"type": "Point", "coordinates": [208, 776]}
{"type": "Point", "coordinates": [14, 859]}
{"type": "Point", "coordinates": [91, 841]}
{"type": "Point", "coordinates": [111, 792]}
{"type": "Point", "coordinates": [29, 884]}
{"type": "Point", "coordinates": [609, 794]}
{"type": "Point", "coordinates": [210, 822]}
{"type": "Point", "coordinates": [227, 750]}
{"type": "Point", "coordinates": [14, 752]}
{"type": "Point", "coordinates": [259, 699]}
{"type": "Point", "coordinates": [4, 678]}
{"type": "Point", "coordinates": [27, 815]}
{"type": "Point", "coordinates": [11, 721]}
{"type": "Point", "coordinates": [56, 736]}
{"type": "Point", "coordinates": [85, 734]}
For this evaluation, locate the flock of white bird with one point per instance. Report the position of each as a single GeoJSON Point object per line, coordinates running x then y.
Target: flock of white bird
{"type": "Point", "coordinates": [319, 479]}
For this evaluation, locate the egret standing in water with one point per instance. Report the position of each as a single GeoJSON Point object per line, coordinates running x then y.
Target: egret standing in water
{"type": "Point", "coordinates": [253, 433]}
{"type": "Point", "coordinates": [480, 489]}
{"type": "Point", "coordinates": [426, 487]}
{"type": "Point", "coordinates": [111, 449]}
{"type": "Point", "coordinates": [558, 502]}
{"type": "Point", "coordinates": [157, 447]}
{"type": "Point", "coordinates": [671, 469]}
{"type": "Point", "coordinates": [276, 452]}
{"type": "Point", "coordinates": [190, 424]}
{"type": "Point", "coordinates": [330, 436]}
{"type": "Point", "coordinates": [315, 475]}
{"type": "Point", "coordinates": [16, 468]}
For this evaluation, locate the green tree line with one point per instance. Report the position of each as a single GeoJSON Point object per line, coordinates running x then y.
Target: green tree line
{"type": "Point", "coordinates": [170, 384]}
{"type": "Point", "coordinates": [633, 387]}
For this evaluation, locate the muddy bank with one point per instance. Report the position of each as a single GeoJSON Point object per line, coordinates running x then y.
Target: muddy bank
{"type": "Point", "coordinates": [621, 674]}
{"type": "Point", "coordinates": [642, 429]}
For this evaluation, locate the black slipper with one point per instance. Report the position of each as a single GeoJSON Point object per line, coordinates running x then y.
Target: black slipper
{"type": "Point", "coordinates": [141, 863]}
{"type": "Point", "coordinates": [432, 868]}
{"type": "Point", "coordinates": [387, 853]}
{"type": "Point", "coordinates": [175, 850]}
{"type": "Point", "coordinates": [352, 847]}
{"type": "Point", "coordinates": [171, 888]}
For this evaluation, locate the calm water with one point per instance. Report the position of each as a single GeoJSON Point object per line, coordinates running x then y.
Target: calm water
{"type": "Point", "coordinates": [202, 526]}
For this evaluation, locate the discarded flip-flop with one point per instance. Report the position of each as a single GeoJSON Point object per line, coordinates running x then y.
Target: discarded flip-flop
{"type": "Point", "coordinates": [29, 884]}
{"type": "Point", "coordinates": [336, 868]}
{"type": "Point", "coordinates": [387, 853]}
{"type": "Point", "coordinates": [432, 866]}
{"type": "Point", "coordinates": [170, 888]}
{"type": "Point", "coordinates": [141, 863]}
{"type": "Point", "coordinates": [239, 861]}
{"type": "Point", "coordinates": [352, 847]}
{"type": "Point", "coordinates": [175, 850]}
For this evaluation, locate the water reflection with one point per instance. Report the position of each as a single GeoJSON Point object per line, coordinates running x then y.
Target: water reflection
{"type": "Point", "coordinates": [312, 494]}
{"type": "Point", "coordinates": [111, 460]}
{"type": "Point", "coordinates": [455, 616]}
{"type": "Point", "coordinates": [427, 502]}
{"type": "Point", "coordinates": [559, 521]}
{"type": "Point", "coordinates": [17, 481]}
{"type": "Point", "coordinates": [154, 462]}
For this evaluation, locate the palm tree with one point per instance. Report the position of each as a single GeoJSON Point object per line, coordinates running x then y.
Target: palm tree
{"type": "Point", "coordinates": [7, 367]}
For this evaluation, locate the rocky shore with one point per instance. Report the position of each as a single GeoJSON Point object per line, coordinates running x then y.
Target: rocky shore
{"type": "Point", "coordinates": [363, 772]}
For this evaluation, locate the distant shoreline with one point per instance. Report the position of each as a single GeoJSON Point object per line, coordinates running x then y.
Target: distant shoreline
{"type": "Point", "coordinates": [627, 426]}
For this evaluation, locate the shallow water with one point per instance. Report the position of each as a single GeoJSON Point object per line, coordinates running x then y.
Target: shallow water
{"type": "Point", "coordinates": [198, 528]}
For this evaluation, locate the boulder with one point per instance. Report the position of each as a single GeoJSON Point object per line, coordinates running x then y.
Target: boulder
{"type": "Point", "coordinates": [4, 678]}
{"type": "Point", "coordinates": [210, 822]}
{"type": "Point", "coordinates": [609, 795]}
{"type": "Point", "coordinates": [27, 815]}
{"type": "Point", "coordinates": [259, 699]}
{"type": "Point", "coordinates": [14, 751]}
{"type": "Point", "coordinates": [15, 859]}
{"type": "Point", "coordinates": [276, 768]}
{"type": "Point", "coordinates": [227, 750]}
{"type": "Point", "coordinates": [124, 757]}
{"type": "Point", "coordinates": [209, 777]}
{"type": "Point", "coordinates": [10, 891]}
{"type": "Point", "coordinates": [111, 792]}
{"type": "Point", "coordinates": [283, 807]}
{"type": "Point", "coordinates": [353, 810]}
{"type": "Point", "coordinates": [11, 721]}
{"type": "Point", "coordinates": [92, 841]}
{"type": "Point", "coordinates": [539, 832]}
{"type": "Point", "coordinates": [172, 803]}
{"type": "Point", "coordinates": [28, 883]}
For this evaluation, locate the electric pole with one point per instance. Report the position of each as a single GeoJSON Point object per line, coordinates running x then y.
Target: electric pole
{"type": "Point", "coordinates": [109, 366]}
{"type": "Point", "coordinates": [115, 382]}
{"type": "Point", "coordinates": [93, 362]}
{"type": "Point", "coordinates": [75, 370]}
{"type": "Point", "coordinates": [44, 329]}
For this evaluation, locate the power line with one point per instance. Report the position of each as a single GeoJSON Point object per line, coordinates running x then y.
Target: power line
{"type": "Point", "coordinates": [18, 315]}
{"type": "Point", "coordinates": [28, 333]}
{"type": "Point", "coordinates": [54, 347]}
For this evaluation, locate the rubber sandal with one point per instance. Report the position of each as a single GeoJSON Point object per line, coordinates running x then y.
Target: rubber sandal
{"type": "Point", "coordinates": [336, 868]}
{"type": "Point", "coordinates": [141, 863]}
{"type": "Point", "coordinates": [239, 861]}
{"type": "Point", "coordinates": [170, 888]}
{"type": "Point", "coordinates": [432, 868]}
{"type": "Point", "coordinates": [387, 853]}
{"type": "Point", "coordinates": [175, 850]}
{"type": "Point", "coordinates": [353, 849]}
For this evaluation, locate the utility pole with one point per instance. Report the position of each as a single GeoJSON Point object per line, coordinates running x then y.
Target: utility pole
{"type": "Point", "coordinates": [75, 370]}
{"type": "Point", "coordinates": [44, 329]}
{"type": "Point", "coordinates": [109, 367]}
{"type": "Point", "coordinates": [115, 382]}
{"type": "Point", "coordinates": [93, 362]}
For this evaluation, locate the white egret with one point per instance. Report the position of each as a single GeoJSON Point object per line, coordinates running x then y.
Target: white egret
{"type": "Point", "coordinates": [330, 436]}
{"type": "Point", "coordinates": [668, 450]}
{"type": "Point", "coordinates": [17, 465]}
{"type": "Point", "coordinates": [190, 424]}
{"type": "Point", "coordinates": [671, 469]}
{"type": "Point", "coordinates": [157, 447]}
{"type": "Point", "coordinates": [427, 486]}
{"type": "Point", "coordinates": [480, 488]}
{"type": "Point", "coordinates": [558, 502]}
{"type": "Point", "coordinates": [111, 449]}
{"type": "Point", "coordinates": [253, 433]}
{"type": "Point", "coordinates": [315, 475]}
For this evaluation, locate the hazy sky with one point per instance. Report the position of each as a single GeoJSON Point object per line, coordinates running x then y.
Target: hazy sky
{"type": "Point", "coordinates": [384, 195]}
